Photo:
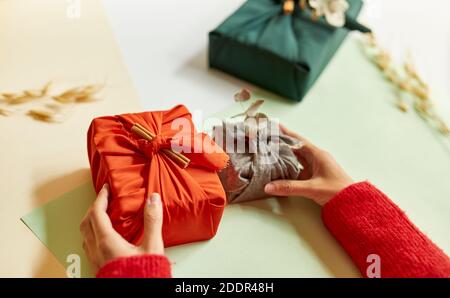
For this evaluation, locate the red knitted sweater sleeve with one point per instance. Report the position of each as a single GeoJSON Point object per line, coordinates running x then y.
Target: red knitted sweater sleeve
{"type": "Point", "coordinates": [145, 266]}
{"type": "Point", "coordinates": [366, 222]}
{"type": "Point", "coordinates": [363, 220]}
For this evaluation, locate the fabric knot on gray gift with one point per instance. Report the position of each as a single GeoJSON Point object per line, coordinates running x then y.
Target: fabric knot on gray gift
{"type": "Point", "coordinates": [259, 153]}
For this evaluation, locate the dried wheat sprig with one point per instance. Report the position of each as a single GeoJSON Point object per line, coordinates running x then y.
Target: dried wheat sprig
{"type": "Point", "coordinates": [79, 94]}
{"type": "Point", "coordinates": [16, 99]}
{"type": "Point", "coordinates": [42, 115]}
{"type": "Point", "coordinates": [411, 82]}
{"type": "Point", "coordinates": [383, 60]}
{"type": "Point", "coordinates": [49, 112]}
{"type": "Point", "coordinates": [5, 112]}
{"type": "Point", "coordinates": [402, 105]}
{"type": "Point", "coordinates": [25, 96]}
{"type": "Point", "coordinates": [443, 128]}
{"type": "Point", "coordinates": [45, 90]}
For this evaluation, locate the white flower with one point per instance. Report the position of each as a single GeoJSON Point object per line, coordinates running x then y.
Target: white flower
{"type": "Point", "coordinates": [334, 10]}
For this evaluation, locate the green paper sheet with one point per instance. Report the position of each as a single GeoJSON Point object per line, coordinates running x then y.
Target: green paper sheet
{"type": "Point", "coordinates": [349, 112]}
{"type": "Point", "coordinates": [57, 223]}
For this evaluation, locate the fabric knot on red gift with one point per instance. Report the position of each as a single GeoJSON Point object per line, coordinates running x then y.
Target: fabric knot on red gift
{"type": "Point", "coordinates": [154, 152]}
{"type": "Point", "coordinates": [157, 143]}
{"type": "Point", "coordinates": [150, 148]}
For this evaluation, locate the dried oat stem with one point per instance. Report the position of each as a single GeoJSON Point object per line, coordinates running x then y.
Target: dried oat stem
{"type": "Point", "coordinates": [25, 96]}
{"type": "Point", "coordinates": [407, 81]}
{"type": "Point", "coordinates": [46, 112]}
{"type": "Point", "coordinates": [78, 94]}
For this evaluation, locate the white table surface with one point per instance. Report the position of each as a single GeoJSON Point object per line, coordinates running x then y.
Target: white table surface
{"type": "Point", "coordinates": [164, 44]}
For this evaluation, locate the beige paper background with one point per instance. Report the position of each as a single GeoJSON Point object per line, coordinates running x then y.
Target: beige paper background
{"type": "Point", "coordinates": [40, 161]}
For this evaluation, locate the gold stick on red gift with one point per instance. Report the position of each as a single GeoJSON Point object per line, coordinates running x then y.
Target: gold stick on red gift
{"type": "Point", "coordinates": [177, 157]}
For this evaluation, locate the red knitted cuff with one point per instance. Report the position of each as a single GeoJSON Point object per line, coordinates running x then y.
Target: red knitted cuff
{"type": "Point", "coordinates": [144, 266]}
{"type": "Point", "coordinates": [365, 221]}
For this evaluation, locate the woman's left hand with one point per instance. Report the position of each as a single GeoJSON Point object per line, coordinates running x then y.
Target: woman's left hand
{"type": "Point", "coordinates": [103, 244]}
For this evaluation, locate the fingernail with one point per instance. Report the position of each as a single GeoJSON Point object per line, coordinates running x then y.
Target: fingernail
{"type": "Point", "coordinates": [269, 188]}
{"type": "Point", "coordinates": [154, 199]}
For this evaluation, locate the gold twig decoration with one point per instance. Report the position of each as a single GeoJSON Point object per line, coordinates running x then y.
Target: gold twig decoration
{"type": "Point", "coordinates": [177, 157]}
{"type": "Point", "coordinates": [407, 82]}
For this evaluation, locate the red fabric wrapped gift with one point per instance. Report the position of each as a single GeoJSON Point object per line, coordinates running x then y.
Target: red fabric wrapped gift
{"type": "Point", "coordinates": [135, 166]}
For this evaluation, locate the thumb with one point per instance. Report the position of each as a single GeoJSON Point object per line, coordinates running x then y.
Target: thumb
{"type": "Point", "coordinates": [286, 188]}
{"type": "Point", "coordinates": [153, 219]}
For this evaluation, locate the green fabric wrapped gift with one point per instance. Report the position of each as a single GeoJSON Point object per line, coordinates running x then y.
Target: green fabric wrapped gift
{"type": "Point", "coordinates": [283, 53]}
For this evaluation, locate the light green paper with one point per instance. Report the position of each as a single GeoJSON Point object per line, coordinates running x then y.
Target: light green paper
{"type": "Point", "coordinates": [349, 112]}
{"type": "Point", "coordinates": [57, 223]}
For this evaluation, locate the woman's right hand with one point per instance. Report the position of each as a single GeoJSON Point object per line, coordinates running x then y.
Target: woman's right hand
{"type": "Point", "coordinates": [103, 244]}
{"type": "Point", "coordinates": [321, 179]}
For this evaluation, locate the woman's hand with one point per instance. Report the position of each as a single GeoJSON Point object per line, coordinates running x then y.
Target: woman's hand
{"type": "Point", "coordinates": [103, 244]}
{"type": "Point", "coordinates": [321, 179]}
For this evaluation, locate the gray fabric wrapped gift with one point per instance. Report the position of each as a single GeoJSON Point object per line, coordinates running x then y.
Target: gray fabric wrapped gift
{"type": "Point", "coordinates": [255, 161]}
